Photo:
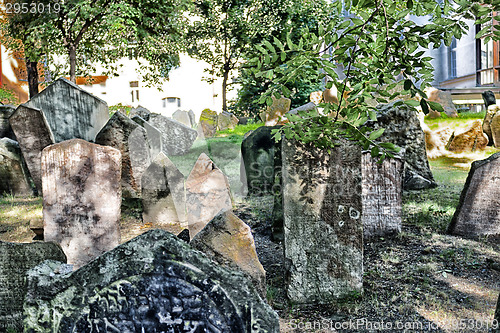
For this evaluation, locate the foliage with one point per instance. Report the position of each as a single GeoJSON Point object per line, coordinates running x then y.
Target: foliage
{"type": "Point", "coordinates": [89, 33]}
{"type": "Point", "coordinates": [224, 31]}
{"type": "Point", "coordinates": [125, 109]}
{"type": "Point", "coordinates": [365, 54]}
{"type": "Point", "coordinates": [8, 96]}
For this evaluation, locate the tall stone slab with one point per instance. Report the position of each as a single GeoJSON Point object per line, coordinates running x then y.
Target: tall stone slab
{"type": "Point", "coordinates": [141, 112]}
{"type": "Point", "coordinates": [71, 112]}
{"type": "Point", "coordinates": [207, 193]}
{"type": "Point", "coordinates": [177, 138]}
{"type": "Point", "coordinates": [81, 198]}
{"type": "Point", "coordinates": [478, 211]}
{"type": "Point", "coordinates": [182, 117]}
{"type": "Point", "coordinates": [208, 123]}
{"type": "Point", "coordinates": [131, 140]}
{"type": "Point", "coordinates": [382, 193]}
{"type": "Point", "coordinates": [5, 129]}
{"type": "Point", "coordinates": [258, 152]}
{"type": "Point", "coordinates": [229, 241]}
{"type": "Point", "coordinates": [154, 136]}
{"type": "Point", "coordinates": [163, 195]}
{"type": "Point", "coordinates": [322, 221]}
{"type": "Point", "coordinates": [14, 176]}
{"type": "Point", "coordinates": [153, 283]}
{"type": "Point", "coordinates": [226, 120]}
{"type": "Point", "coordinates": [33, 134]}
{"type": "Point", "coordinates": [443, 98]}
{"type": "Point", "coordinates": [15, 261]}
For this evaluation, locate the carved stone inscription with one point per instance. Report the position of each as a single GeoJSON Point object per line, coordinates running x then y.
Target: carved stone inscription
{"type": "Point", "coordinates": [81, 198]}
{"type": "Point", "coordinates": [15, 261]}
{"type": "Point", "coordinates": [322, 221]}
{"type": "Point", "coordinates": [153, 283]}
{"type": "Point", "coordinates": [382, 196]}
{"type": "Point", "coordinates": [478, 212]}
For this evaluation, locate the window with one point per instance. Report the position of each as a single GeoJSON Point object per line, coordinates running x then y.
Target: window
{"type": "Point", "coordinates": [452, 59]}
{"type": "Point", "coordinates": [487, 62]}
{"type": "Point", "coordinates": [487, 59]}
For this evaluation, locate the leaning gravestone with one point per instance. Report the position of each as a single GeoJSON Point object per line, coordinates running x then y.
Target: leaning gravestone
{"type": "Point", "coordinates": [177, 138]}
{"type": "Point", "coordinates": [71, 112]}
{"type": "Point", "coordinates": [229, 241]}
{"type": "Point", "coordinates": [183, 117]}
{"type": "Point", "coordinates": [163, 195]}
{"type": "Point", "coordinates": [402, 127]}
{"type": "Point", "coordinates": [258, 151]}
{"type": "Point", "coordinates": [33, 134]}
{"type": "Point", "coordinates": [81, 198]}
{"type": "Point", "coordinates": [153, 283]}
{"type": "Point", "coordinates": [382, 196]}
{"type": "Point", "coordinates": [132, 141]}
{"type": "Point", "coordinates": [443, 98]}
{"type": "Point", "coordinates": [14, 177]}
{"type": "Point", "coordinates": [5, 129]}
{"type": "Point", "coordinates": [15, 261]}
{"type": "Point", "coordinates": [226, 120]}
{"type": "Point", "coordinates": [477, 213]}
{"type": "Point", "coordinates": [322, 221]}
{"type": "Point", "coordinates": [154, 136]}
{"type": "Point", "coordinates": [208, 123]}
{"type": "Point", "coordinates": [207, 193]}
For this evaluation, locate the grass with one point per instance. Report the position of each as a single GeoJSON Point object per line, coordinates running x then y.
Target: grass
{"type": "Point", "coordinates": [461, 121]}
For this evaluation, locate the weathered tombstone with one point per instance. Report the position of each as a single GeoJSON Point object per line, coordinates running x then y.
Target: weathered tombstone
{"type": "Point", "coordinates": [306, 107]}
{"type": "Point", "coordinates": [229, 241]}
{"type": "Point", "coordinates": [15, 261]}
{"type": "Point", "coordinates": [469, 139]}
{"type": "Point", "coordinates": [208, 123]}
{"type": "Point", "coordinates": [5, 129]}
{"type": "Point", "coordinates": [163, 195]}
{"type": "Point", "coordinates": [81, 198]}
{"type": "Point", "coordinates": [495, 129]}
{"type": "Point", "coordinates": [273, 113]}
{"type": "Point", "coordinates": [435, 141]}
{"type": "Point", "coordinates": [177, 138]}
{"type": "Point", "coordinates": [322, 221]}
{"type": "Point", "coordinates": [192, 118]}
{"type": "Point", "coordinates": [402, 127]}
{"type": "Point", "coordinates": [226, 120]}
{"type": "Point", "coordinates": [141, 112]}
{"type": "Point", "coordinates": [207, 193]}
{"type": "Point", "coordinates": [33, 134]}
{"type": "Point", "coordinates": [490, 113]}
{"type": "Point", "coordinates": [71, 112]}
{"type": "Point", "coordinates": [258, 151]}
{"type": "Point", "coordinates": [443, 98]}
{"type": "Point", "coordinates": [132, 141]}
{"type": "Point", "coordinates": [153, 283]}
{"type": "Point", "coordinates": [14, 176]}
{"type": "Point", "coordinates": [182, 117]}
{"type": "Point", "coordinates": [382, 187]}
{"type": "Point", "coordinates": [154, 137]}
{"type": "Point", "coordinates": [477, 213]}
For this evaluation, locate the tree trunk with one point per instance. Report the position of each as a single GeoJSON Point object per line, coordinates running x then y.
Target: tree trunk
{"type": "Point", "coordinates": [32, 71]}
{"type": "Point", "coordinates": [72, 63]}
{"type": "Point", "coordinates": [224, 89]}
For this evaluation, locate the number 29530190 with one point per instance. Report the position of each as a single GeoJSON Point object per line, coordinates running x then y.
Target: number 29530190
{"type": "Point", "coordinates": [32, 8]}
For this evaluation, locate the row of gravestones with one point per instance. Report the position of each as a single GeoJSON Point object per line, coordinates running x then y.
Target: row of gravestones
{"type": "Point", "coordinates": [210, 122]}
{"type": "Point", "coordinates": [325, 203]}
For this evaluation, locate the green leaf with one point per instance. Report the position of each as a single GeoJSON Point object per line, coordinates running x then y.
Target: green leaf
{"type": "Point", "coordinates": [424, 106]}
{"type": "Point", "coordinates": [269, 101]}
{"type": "Point", "coordinates": [269, 46]}
{"type": "Point", "coordinates": [411, 102]}
{"type": "Point", "coordinates": [376, 134]}
{"type": "Point", "coordinates": [283, 56]}
{"type": "Point", "coordinates": [279, 43]}
{"type": "Point", "coordinates": [261, 49]}
{"type": "Point", "coordinates": [435, 106]}
{"type": "Point", "coordinates": [375, 151]}
{"type": "Point", "coordinates": [407, 84]}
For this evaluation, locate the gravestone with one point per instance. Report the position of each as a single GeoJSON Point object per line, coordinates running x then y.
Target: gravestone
{"type": "Point", "coordinates": [495, 129]}
{"type": "Point", "coordinates": [15, 261]}
{"type": "Point", "coordinates": [469, 139]}
{"type": "Point", "coordinates": [402, 127]}
{"type": "Point", "coordinates": [477, 213]}
{"type": "Point", "coordinates": [153, 283]}
{"type": "Point", "coordinates": [272, 115]}
{"type": "Point", "coordinates": [435, 141]}
{"type": "Point", "coordinates": [229, 241]}
{"type": "Point", "coordinates": [177, 138]}
{"type": "Point", "coordinates": [154, 136]}
{"type": "Point", "coordinates": [163, 195]}
{"type": "Point", "coordinates": [207, 193]}
{"type": "Point", "coordinates": [81, 198]}
{"type": "Point", "coordinates": [192, 118]}
{"type": "Point", "coordinates": [71, 112]}
{"type": "Point", "coordinates": [226, 120]}
{"type": "Point", "coordinates": [182, 117]}
{"type": "Point", "coordinates": [141, 112]}
{"type": "Point", "coordinates": [14, 178]}
{"type": "Point", "coordinates": [33, 134]}
{"type": "Point", "coordinates": [322, 221]}
{"type": "Point", "coordinates": [490, 113]}
{"type": "Point", "coordinates": [258, 151]}
{"type": "Point", "coordinates": [382, 186]}
{"type": "Point", "coordinates": [443, 98]}
{"type": "Point", "coordinates": [132, 141]}
{"type": "Point", "coordinates": [208, 123]}
{"type": "Point", "coordinates": [5, 130]}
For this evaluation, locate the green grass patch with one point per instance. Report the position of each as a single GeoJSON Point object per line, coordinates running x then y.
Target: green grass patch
{"type": "Point", "coordinates": [239, 130]}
